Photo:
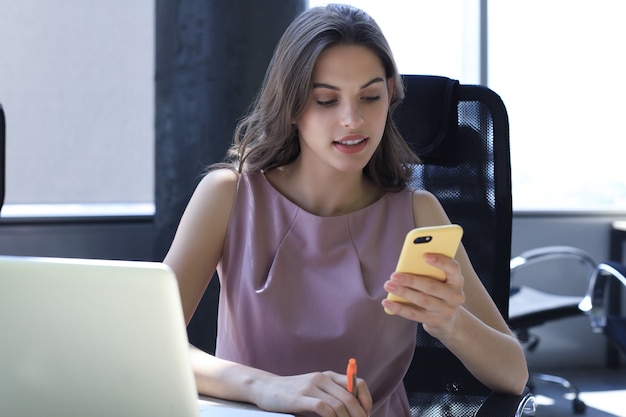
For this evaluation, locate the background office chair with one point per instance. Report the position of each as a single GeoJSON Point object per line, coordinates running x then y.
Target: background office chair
{"type": "Point", "coordinates": [595, 302]}
{"type": "Point", "coordinates": [530, 307]}
{"type": "Point", "coordinates": [2, 154]}
{"type": "Point", "coordinates": [461, 133]}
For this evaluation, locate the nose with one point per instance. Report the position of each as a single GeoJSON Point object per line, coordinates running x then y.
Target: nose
{"type": "Point", "coordinates": [351, 115]}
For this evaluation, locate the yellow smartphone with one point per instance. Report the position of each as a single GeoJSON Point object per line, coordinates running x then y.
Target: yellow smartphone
{"type": "Point", "coordinates": [443, 239]}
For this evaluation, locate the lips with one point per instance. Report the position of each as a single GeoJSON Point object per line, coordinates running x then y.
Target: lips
{"type": "Point", "coordinates": [351, 144]}
{"type": "Point", "coordinates": [351, 140]}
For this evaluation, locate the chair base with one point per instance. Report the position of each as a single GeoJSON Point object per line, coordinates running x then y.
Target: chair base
{"type": "Point", "coordinates": [578, 405]}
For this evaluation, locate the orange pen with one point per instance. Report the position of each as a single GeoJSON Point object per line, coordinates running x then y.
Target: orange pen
{"type": "Point", "coordinates": [351, 375]}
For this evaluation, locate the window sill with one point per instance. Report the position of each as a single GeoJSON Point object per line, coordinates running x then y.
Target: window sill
{"type": "Point", "coordinates": [72, 213]}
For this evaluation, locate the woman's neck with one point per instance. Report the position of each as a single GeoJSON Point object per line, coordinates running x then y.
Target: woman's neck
{"type": "Point", "coordinates": [323, 192]}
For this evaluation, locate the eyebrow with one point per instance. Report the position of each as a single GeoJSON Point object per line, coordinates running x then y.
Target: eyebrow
{"type": "Point", "coordinates": [332, 87]}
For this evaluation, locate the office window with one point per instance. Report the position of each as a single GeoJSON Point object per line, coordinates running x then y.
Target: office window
{"type": "Point", "coordinates": [559, 67]}
{"type": "Point", "coordinates": [77, 87]}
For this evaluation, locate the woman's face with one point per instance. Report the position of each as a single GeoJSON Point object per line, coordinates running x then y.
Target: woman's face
{"type": "Point", "coordinates": [343, 122]}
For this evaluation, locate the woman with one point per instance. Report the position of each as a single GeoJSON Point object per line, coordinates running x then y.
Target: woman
{"type": "Point", "coordinates": [304, 223]}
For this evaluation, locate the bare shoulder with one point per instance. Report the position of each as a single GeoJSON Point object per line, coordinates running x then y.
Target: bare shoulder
{"type": "Point", "coordinates": [208, 210]}
{"type": "Point", "coordinates": [214, 196]}
{"type": "Point", "coordinates": [423, 197]}
{"type": "Point", "coordinates": [219, 181]}
{"type": "Point", "coordinates": [427, 210]}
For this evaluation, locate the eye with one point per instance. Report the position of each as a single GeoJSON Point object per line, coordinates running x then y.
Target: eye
{"type": "Point", "coordinates": [325, 103]}
{"type": "Point", "coordinates": [371, 98]}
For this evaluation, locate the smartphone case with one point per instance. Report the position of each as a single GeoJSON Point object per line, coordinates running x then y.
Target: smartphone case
{"type": "Point", "coordinates": [437, 239]}
{"type": "Point", "coordinates": [443, 239]}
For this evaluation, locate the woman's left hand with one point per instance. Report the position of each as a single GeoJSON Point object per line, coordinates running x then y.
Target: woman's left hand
{"type": "Point", "coordinates": [436, 304]}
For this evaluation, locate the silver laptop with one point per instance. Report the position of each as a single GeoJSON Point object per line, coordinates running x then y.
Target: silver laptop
{"type": "Point", "coordinates": [95, 338]}
{"type": "Point", "coordinates": [92, 338]}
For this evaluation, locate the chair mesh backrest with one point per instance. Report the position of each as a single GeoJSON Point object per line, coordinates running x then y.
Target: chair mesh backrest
{"type": "Point", "coordinates": [471, 179]}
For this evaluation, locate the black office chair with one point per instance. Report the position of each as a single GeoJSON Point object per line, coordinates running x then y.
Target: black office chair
{"type": "Point", "coordinates": [596, 305]}
{"type": "Point", "coordinates": [461, 132]}
{"type": "Point", "coordinates": [2, 155]}
{"type": "Point", "coordinates": [531, 307]}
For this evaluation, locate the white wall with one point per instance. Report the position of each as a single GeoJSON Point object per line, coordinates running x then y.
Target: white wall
{"type": "Point", "coordinates": [77, 87]}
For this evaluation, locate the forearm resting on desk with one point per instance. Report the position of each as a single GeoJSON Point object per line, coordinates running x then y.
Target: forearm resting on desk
{"type": "Point", "coordinates": [220, 378]}
{"type": "Point", "coordinates": [323, 393]}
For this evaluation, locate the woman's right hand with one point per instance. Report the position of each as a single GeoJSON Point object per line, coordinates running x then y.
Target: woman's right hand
{"type": "Point", "coordinates": [318, 393]}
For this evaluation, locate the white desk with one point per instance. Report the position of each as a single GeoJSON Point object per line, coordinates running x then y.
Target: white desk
{"type": "Point", "coordinates": [216, 407]}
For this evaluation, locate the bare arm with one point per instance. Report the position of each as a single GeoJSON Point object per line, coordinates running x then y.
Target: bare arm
{"type": "Point", "coordinates": [193, 256]}
{"type": "Point", "coordinates": [460, 312]}
{"type": "Point", "coordinates": [199, 239]}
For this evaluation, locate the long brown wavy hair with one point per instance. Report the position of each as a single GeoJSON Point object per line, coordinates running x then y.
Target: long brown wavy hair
{"type": "Point", "coordinates": [267, 138]}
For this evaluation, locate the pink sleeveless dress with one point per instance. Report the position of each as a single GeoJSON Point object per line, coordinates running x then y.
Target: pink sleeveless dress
{"type": "Point", "coordinates": [301, 293]}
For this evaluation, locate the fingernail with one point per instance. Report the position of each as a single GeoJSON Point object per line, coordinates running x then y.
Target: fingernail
{"type": "Point", "coordinates": [391, 286]}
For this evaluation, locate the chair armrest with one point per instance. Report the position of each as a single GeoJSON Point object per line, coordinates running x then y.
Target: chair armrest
{"type": "Point", "coordinates": [545, 253]}
{"type": "Point", "coordinates": [593, 304]}
{"type": "Point", "coordinates": [508, 405]}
